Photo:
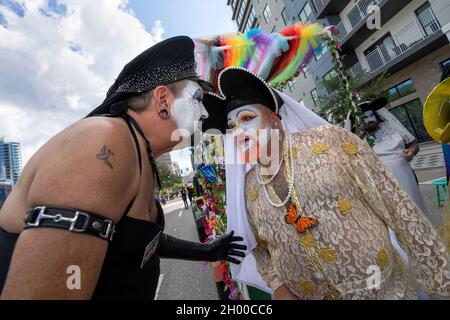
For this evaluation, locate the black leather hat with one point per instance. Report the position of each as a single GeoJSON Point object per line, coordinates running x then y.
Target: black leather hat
{"type": "Point", "coordinates": [166, 62]}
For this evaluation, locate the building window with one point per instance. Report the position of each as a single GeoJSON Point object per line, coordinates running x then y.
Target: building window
{"type": "Point", "coordinates": [267, 13]}
{"type": "Point", "coordinates": [401, 90]}
{"type": "Point", "coordinates": [315, 97]}
{"type": "Point", "coordinates": [305, 71]}
{"type": "Point", "coordinates": [252, 18]}
{"type": "Point", "coordinates": [241, 12]}
{"type": "Point", "coordinates": [319, 55]}
{"type": "Point", "coordinates": [291, 85]}
{"type": "Point", "coordinates": [233, 4]}
{"type": "Point", "coordinates": [427, 19]}
{"type": "Point", "coordinates": [305, 13]}
{"type": "Point", "coordinates": [244, 5]}
{"type": "Point", "coordinates": [410, 115]}
{"type": "Point", "coordinates": [247, 27]}
{"type": "Point", "coordinates": [445, 63]}
{"type": "Point", "coordinates": [330, 75]}
{"type": "Point", "coordinates": [285, 16]}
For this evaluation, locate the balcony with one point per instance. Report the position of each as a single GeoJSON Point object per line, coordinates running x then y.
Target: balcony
{"type": "Point", "coordinates": [342, 30]}
{"type": "Point", "coordinates": [355, 22]}
{"type": "Point", "coordinates": [413, 42]}
{"type": "Point", "coordinates": [329, 7]}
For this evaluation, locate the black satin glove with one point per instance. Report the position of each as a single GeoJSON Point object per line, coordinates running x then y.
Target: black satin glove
{"type": "Point", "coordinates": [217, 250]}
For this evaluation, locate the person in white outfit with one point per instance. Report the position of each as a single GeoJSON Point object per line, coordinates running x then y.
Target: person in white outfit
{"type": "Point", "coordinates": [394, 145]}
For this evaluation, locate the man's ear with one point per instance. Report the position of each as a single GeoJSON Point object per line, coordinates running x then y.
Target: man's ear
{"type": "Point", "coordinates": [161, 95]}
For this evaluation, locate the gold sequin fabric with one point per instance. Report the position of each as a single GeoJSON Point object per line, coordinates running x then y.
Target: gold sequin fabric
{"type": "Point", "coordinates": [350, 245]}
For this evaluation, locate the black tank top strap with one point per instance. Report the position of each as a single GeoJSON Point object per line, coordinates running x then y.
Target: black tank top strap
{"type": "Point", "coordinates": [147, 144]}
{"type": "Point", "coordinates": [138, 149]}
{"type": "Point", "coordinates": [132, 124]}
{"type": "Point", "coordinates": [136, 141]}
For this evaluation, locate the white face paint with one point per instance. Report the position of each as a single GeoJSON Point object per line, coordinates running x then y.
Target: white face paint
{"type": "Point", "coordinates": [252, 129]}
{"type": "Point", "coordinates": [188, 107]}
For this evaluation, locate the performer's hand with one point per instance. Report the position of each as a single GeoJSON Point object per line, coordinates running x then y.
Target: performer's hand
{"type": "Point", "coordinates": [224, 248]}
{"type": "Point", "coordinates": [408, 154]}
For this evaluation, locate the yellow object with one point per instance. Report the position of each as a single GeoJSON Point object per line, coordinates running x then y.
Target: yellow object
{"type": "Point", "coordinates": [307, 287]}
{"type": "Point", "coordinates": [328, 255]}
{"type": "Point", "coordinates": [253, 194]}
{"type": "Point", "coordinates": [382, 259]}
{"type": "Point", "coordinates": [307, 239]}
{"type": "Point", "coordinates": [350, 148]}
{"type": "Point", "coordinates": [320, 148]}
{"type": "Point", "coordinates": [345, 205]}
{"type": "Point", "coordinates": [436, 112]}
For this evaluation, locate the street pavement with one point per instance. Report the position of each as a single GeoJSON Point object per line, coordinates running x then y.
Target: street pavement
{"type": "Point", "coordinates": [429, 165]}
{"type": "Point", "coordinates": [184, 280]}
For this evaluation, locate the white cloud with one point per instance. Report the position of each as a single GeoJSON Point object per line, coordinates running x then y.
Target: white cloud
{"type": "Point", "coordinates": [56, 67]}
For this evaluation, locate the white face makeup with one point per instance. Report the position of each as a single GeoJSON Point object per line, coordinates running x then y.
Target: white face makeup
{"type": "Point", "coordinates": [369, 116]}
{"type": "Point", "coordinates": [188, 107]}
{"type": "Point", "coordinates": [252, 128]}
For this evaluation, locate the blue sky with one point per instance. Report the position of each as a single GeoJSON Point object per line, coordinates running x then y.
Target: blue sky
{"type": "Point", "coordinates": [193, 18]}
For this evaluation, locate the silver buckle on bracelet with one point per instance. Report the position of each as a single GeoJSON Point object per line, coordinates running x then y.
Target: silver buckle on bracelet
{"type": "Point", "coordinates": [56, 218]}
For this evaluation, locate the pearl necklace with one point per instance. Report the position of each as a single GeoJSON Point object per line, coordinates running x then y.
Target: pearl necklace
{"type": "Point", "coordinates": [261, 179]}
{"type": "Point", "coordinates": [291, 182]}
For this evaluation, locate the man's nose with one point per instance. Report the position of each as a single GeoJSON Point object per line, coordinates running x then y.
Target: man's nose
{"type": "Point", "coordinates": [205, 114]}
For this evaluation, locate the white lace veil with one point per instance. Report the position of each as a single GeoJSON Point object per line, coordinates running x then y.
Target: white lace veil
{"type": "Point", "coordinates": [295, 118]}
{"type": "Point", "coordinates": [389, 126]}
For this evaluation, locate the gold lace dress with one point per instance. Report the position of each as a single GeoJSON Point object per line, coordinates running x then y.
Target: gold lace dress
{"type": "Point", "coordinates": [341, 182]}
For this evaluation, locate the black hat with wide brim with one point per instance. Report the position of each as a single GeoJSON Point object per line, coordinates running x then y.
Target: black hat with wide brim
{"type": "Point", "coordinates": [166, 62]}
{"type": "Point", "coordinates": [374, 105]}
{"type": "Point", "coordinates": [237, 87]}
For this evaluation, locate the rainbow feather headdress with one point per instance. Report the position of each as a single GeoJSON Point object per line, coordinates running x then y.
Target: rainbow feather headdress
{"type": "Point", "coordinates": [275, 57]}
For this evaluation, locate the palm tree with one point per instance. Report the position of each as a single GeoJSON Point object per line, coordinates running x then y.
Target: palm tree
{"type": "Point", "coordinates": [336, 104]}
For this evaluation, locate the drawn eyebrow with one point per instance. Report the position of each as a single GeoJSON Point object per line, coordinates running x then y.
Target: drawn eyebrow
{"type": "Point", "coordinates": [247, 110]}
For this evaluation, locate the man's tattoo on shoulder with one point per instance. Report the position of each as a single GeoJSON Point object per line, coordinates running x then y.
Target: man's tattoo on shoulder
{"type": "Point", "coordinates": [104, 155]}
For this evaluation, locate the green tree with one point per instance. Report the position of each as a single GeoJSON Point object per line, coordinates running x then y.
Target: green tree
{"type": "Point", "coordinates": [169, 180]}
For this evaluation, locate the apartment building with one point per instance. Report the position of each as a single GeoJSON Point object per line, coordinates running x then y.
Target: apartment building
{"type": "Point", "coordinates": [411, 43]}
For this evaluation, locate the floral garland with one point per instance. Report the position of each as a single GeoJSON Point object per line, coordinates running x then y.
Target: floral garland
{"type": "Point", "coordinates": [215, 224]}
{"type": "Point", "coordinates": [335, 49]}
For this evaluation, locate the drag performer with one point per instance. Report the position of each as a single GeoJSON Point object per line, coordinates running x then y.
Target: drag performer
{"type": "Point", "coordinates": [88, 192]}
{"type": "Point", "coordinates": [318, 224]}
{"type": "Point", "coordinates": [394, 145]}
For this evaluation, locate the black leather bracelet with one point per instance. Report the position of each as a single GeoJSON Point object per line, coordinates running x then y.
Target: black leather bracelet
{"type": "Point", "coordinates": [69, 219]}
